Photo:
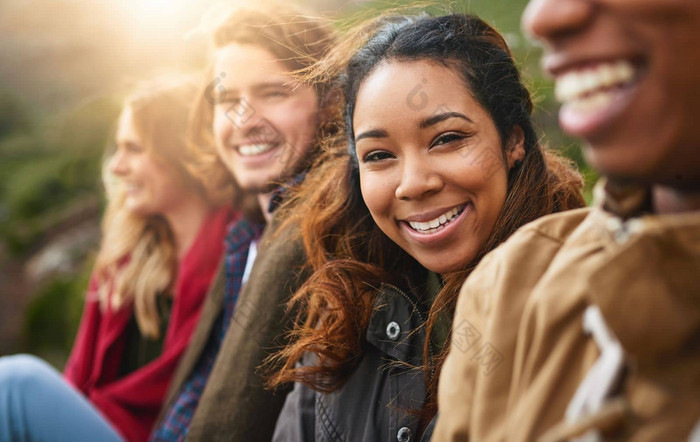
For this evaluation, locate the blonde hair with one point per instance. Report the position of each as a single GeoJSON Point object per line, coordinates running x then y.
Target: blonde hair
{"type": "Point", "coordinates": [137, 259]}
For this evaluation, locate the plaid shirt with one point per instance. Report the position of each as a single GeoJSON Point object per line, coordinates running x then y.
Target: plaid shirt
{"type": "Point", "coordinates": [177, 421]}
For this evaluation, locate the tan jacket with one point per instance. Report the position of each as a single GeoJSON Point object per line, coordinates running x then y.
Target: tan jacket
{"type": "Point", "coordinates": [519, 351]}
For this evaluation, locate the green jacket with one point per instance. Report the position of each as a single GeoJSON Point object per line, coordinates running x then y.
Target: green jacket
{"type": "Point", "coordinates": [234, 405]}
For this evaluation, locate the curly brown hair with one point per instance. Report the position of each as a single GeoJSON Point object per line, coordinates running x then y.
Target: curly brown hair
{"type": "Point", "coordinates": [348, 253]}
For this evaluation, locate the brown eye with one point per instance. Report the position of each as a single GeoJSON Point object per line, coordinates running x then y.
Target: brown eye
{"type": "Point", "coordinates": [376, 155]}
{"type": "Point", "coordinates": [447, 138]}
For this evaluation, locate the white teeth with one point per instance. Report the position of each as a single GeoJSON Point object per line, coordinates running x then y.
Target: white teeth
{"type": "Point", "coordinates": [593, 102]}
{"type": "Point", "coordinates": [588, 81]}
{"type": "Point", "coordinates": [254, 149]}
{"type": "Point", "coordinates": [438, 222]}
{"type": "Point", "coordinates": [607, 72]}
{"type": "Point", "coordinates": [581, 85]}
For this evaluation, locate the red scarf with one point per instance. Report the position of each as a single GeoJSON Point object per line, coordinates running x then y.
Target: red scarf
{"type": "Point", "coordinates": [131, 403]}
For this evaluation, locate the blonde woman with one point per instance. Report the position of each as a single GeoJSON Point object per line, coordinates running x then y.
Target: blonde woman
{"type": "Point", "coordinates": [163, 236]}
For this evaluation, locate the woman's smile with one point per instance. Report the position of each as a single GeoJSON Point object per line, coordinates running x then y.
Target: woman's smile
{"type": "Point", "coordinates": [425, 230]}
{"type": "Point", "coordinates": [420, 173]}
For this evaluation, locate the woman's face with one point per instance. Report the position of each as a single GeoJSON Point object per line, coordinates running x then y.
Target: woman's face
{"type": "Point", "coordinates": [627, 72]}
{"type": "Point", "coordinates": [152, 187]}
{"type": "Point", "coordinates": [432, 171]}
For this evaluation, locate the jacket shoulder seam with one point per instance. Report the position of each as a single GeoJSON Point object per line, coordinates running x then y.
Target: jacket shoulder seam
{"type": "Point", "coordinates": [541, 227]}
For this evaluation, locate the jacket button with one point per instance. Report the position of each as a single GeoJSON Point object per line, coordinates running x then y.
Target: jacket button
{"type": "Point", "coordinates": [392, 331]}
{"type": "Point", "coordinates": [404, 434]}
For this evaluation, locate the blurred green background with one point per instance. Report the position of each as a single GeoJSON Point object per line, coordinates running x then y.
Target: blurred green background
{"type": "Point", "coordinates": [64, 66]}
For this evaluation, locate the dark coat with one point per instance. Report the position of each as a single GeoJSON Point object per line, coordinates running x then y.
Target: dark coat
{"type": "Point", "coordinates": [234, 405]}
{"type": "Point", "coordinates": [372, 405]}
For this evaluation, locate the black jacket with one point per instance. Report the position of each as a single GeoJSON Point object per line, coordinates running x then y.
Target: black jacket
{"type": "Point", "coordinates": [374, 404]}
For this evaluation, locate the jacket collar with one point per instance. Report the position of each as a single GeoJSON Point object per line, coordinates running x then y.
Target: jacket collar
{"type": "Point", "coordinates": [647, 283]}
{"type": "Point", "coordinates": [282, 192]}
{"type": "Point", "coordinates": [624, 200]}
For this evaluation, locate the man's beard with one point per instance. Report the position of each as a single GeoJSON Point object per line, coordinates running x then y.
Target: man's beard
{"type": "Point", "coordinates": [300, 165]}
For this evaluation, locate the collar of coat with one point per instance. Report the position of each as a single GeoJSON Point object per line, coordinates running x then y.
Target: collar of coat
{"type": "Point", "coordinates": [648, 282]}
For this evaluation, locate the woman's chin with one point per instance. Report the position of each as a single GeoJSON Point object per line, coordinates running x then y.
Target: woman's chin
{"type": "Point", "coordinates": [443, 265]}
{"type": "Point", "coordinates": [136, 209]}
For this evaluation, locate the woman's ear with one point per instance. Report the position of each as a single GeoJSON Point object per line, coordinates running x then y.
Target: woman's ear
{"type": "Point", "coordinates": [515, 147]}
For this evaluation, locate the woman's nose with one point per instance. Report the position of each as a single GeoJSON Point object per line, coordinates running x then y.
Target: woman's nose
{"type": "Point", "coordinates": [117, 163]}
{"type": "Point", "coordinates": [417, 180]}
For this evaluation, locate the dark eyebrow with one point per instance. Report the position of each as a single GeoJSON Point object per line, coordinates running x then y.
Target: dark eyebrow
{"type": "Point", "coordinates": [430, 121]}
{"type": "Point", "coordinates": [374, 133]}
{"type": "Point", "coordinates": [435, 119]}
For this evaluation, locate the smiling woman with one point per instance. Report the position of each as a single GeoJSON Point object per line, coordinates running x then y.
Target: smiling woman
{"type": "Point", "coordinates": [161, 243]}
{"type": "Point", "coordinates": [422, 175]}
{"type": "Point", "coordinates": [441, 163]}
